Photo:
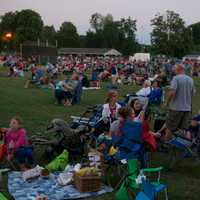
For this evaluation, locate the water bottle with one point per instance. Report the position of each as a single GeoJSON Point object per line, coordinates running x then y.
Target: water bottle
{"type": "Point", "coordinates": [141, 177]}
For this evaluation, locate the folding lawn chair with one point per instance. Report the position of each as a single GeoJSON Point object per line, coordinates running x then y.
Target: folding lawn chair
{"type": "Point", "coordinates": [129, 183]}
{"type": "Point", "coordinates": [181, 148]}
{"type": "Point", "coordinates": [149, 191]}
{"type": "Point", "coordinates": [2, 197]}
{"type": "Point", "coordinates": [130, 144]}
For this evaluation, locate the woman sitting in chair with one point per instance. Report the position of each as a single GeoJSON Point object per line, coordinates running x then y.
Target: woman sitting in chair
{"type": "Point", "coordinates": [141, 116]}
{"type": "Point", "coordinates": [109, 113]}
{"type": "Point", "coordinates": [17, 144]}
{"type": "Point", "coordinates": [111, 107]}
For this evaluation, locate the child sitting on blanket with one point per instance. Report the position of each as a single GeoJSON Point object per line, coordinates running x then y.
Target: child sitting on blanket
{"type": "Point", "coordinates": [17, 144]}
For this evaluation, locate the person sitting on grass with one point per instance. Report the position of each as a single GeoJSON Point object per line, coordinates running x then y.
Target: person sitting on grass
{"type": "Point", "coordinates": [17, 144]}
{"type": "Point", "coordinates": [64, 90]}
{"type": "Point", "coordinates": [36, 77]}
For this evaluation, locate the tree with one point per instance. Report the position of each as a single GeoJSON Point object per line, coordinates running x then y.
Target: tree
{"type": "Point", "coordinates": [96, 21]}
{"type": "Point", "coordinates": [112, 34]}
{"type": "Point", "coordinates": [8, 22]}
{"type": "Point", "coordinates": [194, 30]}
{"type": "Point", "coordinates": [169, 35]}
{"type": "Point", "coordinates": [127, 29]}
{"type": "Point", "coordinates": [29, 26]}
{"type": "Point", "coordinates": [94, 40]}
{"type": "Point", "coordinates": [67, 35]}
{"type": "Point", "coordinates": [83, 39]}
{"type": "Point", "coordinates": [8, 25]}
{"type": "Point", "coordinates": [25, 25]}
{"type": "Point", "coordinates": [49, 34]}
{"type": "Point", "coordinates": [106, 20]}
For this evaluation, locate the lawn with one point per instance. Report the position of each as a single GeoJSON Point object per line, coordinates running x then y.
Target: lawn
{"type": "Point", "coordinates": [36, 107]}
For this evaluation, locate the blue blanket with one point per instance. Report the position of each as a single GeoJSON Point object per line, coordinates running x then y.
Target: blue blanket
{"type": "Point", "coordinates": [22, 190]}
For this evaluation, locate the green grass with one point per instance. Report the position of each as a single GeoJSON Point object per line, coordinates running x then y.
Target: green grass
{"type": "Point", "coordinates": [36, 107]}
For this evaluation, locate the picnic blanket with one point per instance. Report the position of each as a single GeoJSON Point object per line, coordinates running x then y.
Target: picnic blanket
{"type": "Point", "coordinates": [22, 190]}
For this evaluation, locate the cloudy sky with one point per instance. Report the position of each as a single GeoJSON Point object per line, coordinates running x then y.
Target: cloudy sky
{"type": "Point", "coordinates": [79, 11]}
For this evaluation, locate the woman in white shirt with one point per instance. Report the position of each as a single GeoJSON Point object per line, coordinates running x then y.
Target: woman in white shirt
{"type": "Point", "coordinates": [111, 107]}
{"type": "Point", "coordinates": [109, 113]}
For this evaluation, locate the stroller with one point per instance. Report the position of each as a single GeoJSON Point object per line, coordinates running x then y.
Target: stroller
{"type": "Point", "coordinates": [62, 137]}
{"type": "Point", "coordinates": [92, 119]}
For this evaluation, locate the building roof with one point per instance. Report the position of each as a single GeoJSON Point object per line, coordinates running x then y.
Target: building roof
{"type": "Point", "coordinates": [90, 51]}
{"type": "Point", "coordinates": [192, 56]}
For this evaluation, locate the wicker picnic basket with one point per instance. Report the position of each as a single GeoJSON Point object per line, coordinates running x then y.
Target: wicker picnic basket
{"type": "Point", "coordinates": [87, 183]}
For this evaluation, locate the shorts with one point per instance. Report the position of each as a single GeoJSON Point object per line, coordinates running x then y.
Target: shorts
{"type": "Point", "coordinates": [178, 120]}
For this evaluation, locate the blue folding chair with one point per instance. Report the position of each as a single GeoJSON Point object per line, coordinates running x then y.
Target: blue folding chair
{"type": "Point", "coordinates": [151, 189]}
{"type": "Point", "coordinates": [148, 192]}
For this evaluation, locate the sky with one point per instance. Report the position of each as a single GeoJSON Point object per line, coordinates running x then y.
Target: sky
{"type": "Point", "coordinates": [54, 12]}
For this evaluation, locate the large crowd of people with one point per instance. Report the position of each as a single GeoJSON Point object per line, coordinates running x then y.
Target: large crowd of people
{"type": "Point", "coordinates": [123, 130]}
{"type": "Point", "coordinates": [82, 72]}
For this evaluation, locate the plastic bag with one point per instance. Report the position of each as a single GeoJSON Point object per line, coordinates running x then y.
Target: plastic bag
{"type": "Point", "coordinates": [59, 163]}
{"type": "Point", "coordinates": [32, 173]}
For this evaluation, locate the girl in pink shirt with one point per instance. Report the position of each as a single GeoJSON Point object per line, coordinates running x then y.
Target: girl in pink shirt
{"type": "Point", "coordinates": [17, 143]}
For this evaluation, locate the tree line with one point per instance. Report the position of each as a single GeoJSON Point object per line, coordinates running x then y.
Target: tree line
{"type": "Point", "coordinates": [170, 35]}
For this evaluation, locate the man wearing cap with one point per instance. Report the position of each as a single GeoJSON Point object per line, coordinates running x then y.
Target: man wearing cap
{"type": "Point", "coordinates": [179, 101]}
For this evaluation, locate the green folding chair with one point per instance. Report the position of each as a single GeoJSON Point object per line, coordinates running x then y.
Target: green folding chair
{"type": "Point", "coordinates": [2, 197]}
{"type": "Point", "coordinates": [128, 183]}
